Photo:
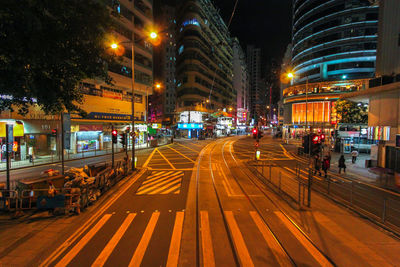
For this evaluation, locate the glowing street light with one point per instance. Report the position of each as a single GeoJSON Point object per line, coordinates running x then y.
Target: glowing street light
{"type": "Point", "coordinates": [114, 46]}
{"type": "Point", "coordinates": [290, 75]}
{"type": "Point", "coordinates": [158, 86]}
{"type": "Point", "coordinates": [153, 35]}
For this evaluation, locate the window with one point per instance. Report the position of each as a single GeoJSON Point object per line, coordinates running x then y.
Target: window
{"type": "Point", "coordinates": [399, 40]}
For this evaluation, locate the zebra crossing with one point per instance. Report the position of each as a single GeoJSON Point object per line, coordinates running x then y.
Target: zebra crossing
{"type": "Point", "coordinates": [102, 255]}
{"type": "Point", "coordinates": [161, 182]}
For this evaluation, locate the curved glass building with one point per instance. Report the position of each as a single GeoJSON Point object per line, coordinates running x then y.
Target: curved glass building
{"type": "Point", "coordinates": [334, 52]}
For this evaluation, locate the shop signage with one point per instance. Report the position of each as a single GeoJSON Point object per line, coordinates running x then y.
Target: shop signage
{"type": "Point", "coordinates": [108, 116]}
{"type": "Point", "coordinates": [190, 126]}
{"type": "Point", "coordinates": [141, 127]}
{"type": "Point", "coordinates": [18, 129]}
{"type": "Point", "coordinates": [156, 126]}
{"type": "Point", "coordinates": [90, 128]}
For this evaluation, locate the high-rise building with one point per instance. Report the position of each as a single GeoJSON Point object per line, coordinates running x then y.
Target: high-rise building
{"type": "Point", "coordinates": [383, 94]}
{"type": "Point", "coordinates": [334, 52]}
{"type": "Point", "coordinates": [163, 101]}
{"type": "Point", "coordinates": [204, 60]}
{"type": "Point", "coordinates": [257, 92]}
{"type": "Point", "coordinates": [240, 81]}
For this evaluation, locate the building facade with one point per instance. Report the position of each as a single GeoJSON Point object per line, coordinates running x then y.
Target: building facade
{"type": "Point", "coordinates": [383, 94]}
{"type": "Point", "coordinates": [204, 58]}
{"type": "Point", "coordinates": [240, 82]}
{"type": "Point", "coordinates": [257, 92]}
{"type": "Point", "coordinates": [333, 53]}
{"type": "Point", "coordinates": [105, 104]}
{"type": "Point", "coordinates": [163, 101]}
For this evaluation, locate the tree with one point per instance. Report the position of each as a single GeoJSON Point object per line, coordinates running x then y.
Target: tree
{"type": "Point", "coordinates": [350, 112]}
{"type": "Point", "coordinates": [47, 47]}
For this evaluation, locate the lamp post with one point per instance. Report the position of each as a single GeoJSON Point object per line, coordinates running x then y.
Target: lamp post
{"type": "Point", "coordinates": [153, 36]}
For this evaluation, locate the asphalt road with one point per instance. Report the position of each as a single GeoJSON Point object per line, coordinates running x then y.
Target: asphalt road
{"type": "Point", "coordinates": [196, 203]}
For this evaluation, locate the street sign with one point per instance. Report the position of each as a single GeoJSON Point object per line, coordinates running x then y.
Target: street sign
{"type": "Point", "coordinates": [10, 137]}
{"type": "Point", "coordinates": [67, 130]}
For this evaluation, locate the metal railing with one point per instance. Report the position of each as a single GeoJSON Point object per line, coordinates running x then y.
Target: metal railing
{"type": "Point", "coordinates": [293, 186]}
{"type": "Point", "coordinates": [379, 204]}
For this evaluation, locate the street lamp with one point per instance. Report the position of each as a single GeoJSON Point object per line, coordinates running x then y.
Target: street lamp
{"type": "Point", "coordinates": [152, 35]}
{"type": "Point", "coordinates": [291, 75]}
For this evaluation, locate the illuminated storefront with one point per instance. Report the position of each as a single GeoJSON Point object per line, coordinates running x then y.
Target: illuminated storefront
{"type": "Point", "coordinates": [317, 113]}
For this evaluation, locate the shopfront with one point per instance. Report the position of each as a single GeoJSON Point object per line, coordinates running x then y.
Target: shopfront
{"type": "Point", "coordinates": [18, 140]}
{"type": "Point", "coordinates": [89, 138]}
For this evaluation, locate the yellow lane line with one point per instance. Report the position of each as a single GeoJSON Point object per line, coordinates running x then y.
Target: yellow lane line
{"type": "Point", "coordinates": [159, 190]}
{"type": "Point", "coordinates": [88, 223]}
{"type": "Point", "coordinates": [155, 187]}
{"type": "Point", "coordinates": [318, 256]}
{"type": "Point", "coordinates": [157, 180]}
{"type": "Point", "coordinates": [240, 245]}
{"type": "Point", "coordinates": [149, 158]}
{"type": "Point", "coordinates": [170, 164]}
{"type": "Point", "coordinates": [206, 241]}
{"type": "Point", "coordinates": [286, 153]}
{"type": "Point", "coordinates": [155, 169]}
{"type": "Point", "coordinates": [188, 148]}
{"type": "Point", "coordinates": [280, 255]}
{"type": "Point", "coordinates": [232, 192]}
{"type": "Point", "coordinates": [78, 247]}
{"type": "Point", "coordinates": [176, 189]}
{"type": "Point", "coordinates": [144, 242]}
{"type": "Point", "coordinates": [175, 245]}
{"type": "Point", "coordinates": [180, 153]}
{"type": "Point", "coordinates": [105, 254]}
{"type": "Point", "coordinates": [345, 238]}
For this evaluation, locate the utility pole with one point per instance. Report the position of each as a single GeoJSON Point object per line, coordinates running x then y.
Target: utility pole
{"type": "Point", "coordinates": [112, 147]}
{"type": "Point", "coordinates": [62, 144]}
{"type": "Point", "coordinates": [9, 146]}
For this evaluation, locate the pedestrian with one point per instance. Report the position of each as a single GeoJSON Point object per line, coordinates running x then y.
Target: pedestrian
{"type": "Point", "coordinates": [30, 154]}
{"type": "Point", "coordinates": [317, 165]}
{"type": "Point", "coordinates": [326, 165]}
{"type": "Point", "coordinates": [354, 155]}
{"type": "Point", "coordinates": [342, 164]}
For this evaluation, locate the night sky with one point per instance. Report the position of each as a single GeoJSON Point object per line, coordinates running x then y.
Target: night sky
{"type": "Point", "coordinates": [264, 23]}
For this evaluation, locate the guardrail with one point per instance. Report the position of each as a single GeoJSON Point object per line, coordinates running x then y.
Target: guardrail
{"type": "Point", "coordinates": [379, 204]}
{"type": "Point", "coordinates": [271, 174]}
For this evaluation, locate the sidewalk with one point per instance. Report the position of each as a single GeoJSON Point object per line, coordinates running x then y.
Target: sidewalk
{"type": "Point", "coordinates": [47, 159]}
{"type": "Point", "coordinates": [376, 176]}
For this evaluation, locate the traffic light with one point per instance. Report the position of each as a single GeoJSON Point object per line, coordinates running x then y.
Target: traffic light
{"type": "Point", "coordinates": [315, 138]}
{"type": "Point", "coordinates": [54, 132]}
{"type": "Point", "coordinates": [322, 138]}
{"type": "Point", "coordinates": [122, 139]}
{"type": "Point", "coordinates": [114, 136]}
{"type": "Point", "coordinates": [315, 144]}
{"type": "Point", "coordinates": [255, 133]}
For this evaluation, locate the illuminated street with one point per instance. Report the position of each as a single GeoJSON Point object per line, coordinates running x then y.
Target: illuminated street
{"type": "Point", "coordinates": [200, 133]}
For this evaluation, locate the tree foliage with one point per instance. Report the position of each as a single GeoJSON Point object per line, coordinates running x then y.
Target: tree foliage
{"type": "Point", "coordinates": [47, 47]}
{"type": "Point", "coordinates": [351, 112]}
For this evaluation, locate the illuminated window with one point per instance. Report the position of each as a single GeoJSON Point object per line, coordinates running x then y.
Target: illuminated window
{"type": "Point", "coordinates": [191, 22]}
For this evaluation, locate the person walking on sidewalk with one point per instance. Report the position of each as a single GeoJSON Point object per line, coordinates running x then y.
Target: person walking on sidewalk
{"type": "Point", "coordinates": [342, 164]}
{"type": "Point", "coordinates": [354, 155]}
{"type": "Point", "coordinates": [30, 153]}
{"type": "Point", "coordinates": [326, 164]}
{"type": "Point", "coordinates": [317, 165]}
